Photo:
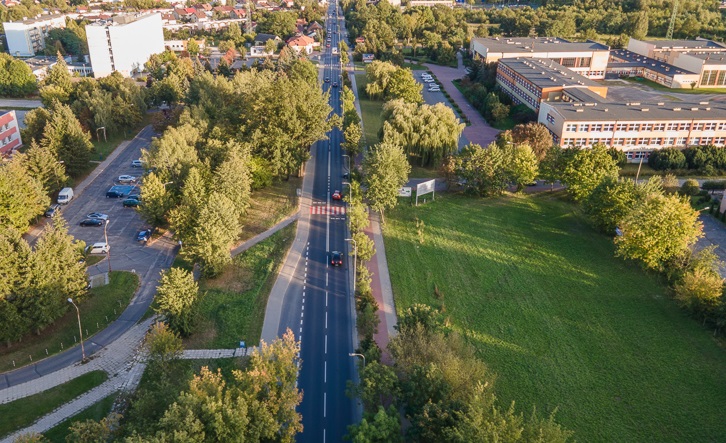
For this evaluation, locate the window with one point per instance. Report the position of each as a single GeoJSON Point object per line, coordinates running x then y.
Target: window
{"type": "Point", "coordinates": [672, 126]}
{"type": "Point", "coordinates": [632, 127]}
{"type": "Point", "coordinates": [709, 126]}
{"type": "Point", "coordinates": [571, 127]}
{"type": "Point", "coordinates": [659, 127]}
{"type": "Point", "coordinates": [681, 141]}
{"type": "Point", "coordinates": [698, 126]}
{"type": "Point", "coordinates": [582, 127]}
{"type": "Point", "coordinates": [580, 141]}
{"type": "Point", "coordinates": [670, 141]}
{"type": "Point", "coordinates": [597, 128]}
{"type": "Point", "coordinates": [721, 126]}
{"type": "Point", "coordinates": [629, 141]}
{"type": "Point", "coordinates": [608, 127]}
{"type": "Point", "coordinates": [621, 127]}
{"type": "Point", "coordinates": [648, 127]}
{"type": "Point", "coordinates": [719, 140]}
{"type": "Point", "coordinates": [569, 62]}
{"type": "Point", "coordinates": [550, 118]}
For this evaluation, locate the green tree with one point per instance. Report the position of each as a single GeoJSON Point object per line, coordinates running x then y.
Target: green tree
{"type": "Point", "coordinates": [690, 187]}
{"type": "Point", "coordinates": [163, 344]}
{"type": "Point", "coordinates": [383, 427]}
{"type": "Point", "coordinates": [353, 134]}
{"type": "Point", "coordinates": [483, 170]}
{"type": "Point", "coordinates": [44, 167]}
{"type": "Point", "coordinates": [64, 136]}
{"type": "Point", "coordinates": [16, 78]}
{"type": "Point", "coordinates": [586, 168]}
{"type": "Point", "coordinates": [225, 45]}
{"type": "Point", "coordinates": [378, 382]}
{"type": "Point", "coordinates": [658, 230]}
{"type": "Point", "coordinates": [184, 216]}
{"type": "Point", "coordinates": [536, 135]}
{"type": "Point", "coordinates": [386, 170]}
{"type": "Point", "coordinates": [176, 295]}
{"type": "Point", "coordinates": [90, 431]}
{"type": "Point", "coordinates": [522, 165]}
{"type": "Point", "coordinates": [610, 202]}
{"type": "Point", "coordinates": [233, 179]}
{"type": "Point", "coordinates": [192, 47]}
{"type": "Point", "coordinates": [213, 233]}
{"type": "Point", "coordinates": [35, 122]}
{"type": "Point", "coordinates": [157, 202]}
{"type": "Point", "coordinates": [22, 197]}
{"type": "Point", "coordinates": [700, 291]}
{"type": "Point", "coordinates": [59, 79]}
{"type": "Point", "coordinates": [403, 86]}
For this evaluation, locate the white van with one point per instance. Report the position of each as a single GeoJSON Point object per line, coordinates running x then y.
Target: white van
{"type": "Point", "coordinates": [98, 248]}
{"type": "Point", "coordinates": [65, 196]}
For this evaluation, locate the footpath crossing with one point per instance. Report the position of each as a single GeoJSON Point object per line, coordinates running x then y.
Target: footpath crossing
{"type": "Point", "coordinates": [327, 210]}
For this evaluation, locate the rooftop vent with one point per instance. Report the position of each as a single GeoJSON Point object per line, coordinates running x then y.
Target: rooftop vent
{"type": "Point", "coordinates": [645, 109]}
{"type": "Point", "coordinates": [676, 109]}
{"type": "Point", "coordinates": [708, 109]}
{"type": "Point", "coordinates": [703, 103]}
{"type": "Point", "coordinates": [661, 103]}
{"type": "Point", "coordinates": [579, 110]}
{"type": "Point", "coordinates": [694, 109]}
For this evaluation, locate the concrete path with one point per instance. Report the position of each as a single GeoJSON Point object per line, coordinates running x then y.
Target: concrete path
{"type": "Point", "coordinates": [714, 233]}
{"type": "Point", "coordinates": [10, 103]}
{"type": "Point", "coordinates": [201, 354]}
{"type": "Point", "coordinates": [237, 250]}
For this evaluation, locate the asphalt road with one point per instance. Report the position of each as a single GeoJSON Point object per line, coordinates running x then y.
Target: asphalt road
{"type": "Point", "coordinates": [320, 312]}
{"type": "Point", "coordinates": [126, 254]}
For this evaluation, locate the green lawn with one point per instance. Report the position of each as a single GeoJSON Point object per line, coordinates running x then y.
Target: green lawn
{"type": "Point", "coordinates": [22, 413]}
{"type": "Point", "coordinates": [269, 206]}
{"type": "Point", "coordinates": [97, 411]}
{"type": "Point", "coordinates": [561, 321]}
{"type": "Point", "coordinates": [371, 109]}
{"type": "Point", "coordinates": [105, 302]}
{"type": "Point", "coordinates": [233, 307]}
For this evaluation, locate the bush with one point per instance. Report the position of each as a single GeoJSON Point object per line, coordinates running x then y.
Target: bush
{"type": "Point", "coordinates": [618, 155]}
{"type": "Point", "coordinates": [706, 158]}
{"type": "Point", "coordinates": [690, 187]}
{"type": "Point", "coordinates": [667, 159]}
{"type": "Point", "coordinates": [713, 185]}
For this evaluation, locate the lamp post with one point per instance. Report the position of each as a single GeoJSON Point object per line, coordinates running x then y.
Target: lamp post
{"type": "Point", "coordinates": [104, 134]}
{"type": "Point", "coordinates": [355, 261]}
{"type": "Point", "coordinates": [80, 330]}
{"type": "Point", "coordinates": [108, 248]}
{"type": "Point", "coordinates": [353, 354]}
{"type": "Point", "coordinates": [167, 183]}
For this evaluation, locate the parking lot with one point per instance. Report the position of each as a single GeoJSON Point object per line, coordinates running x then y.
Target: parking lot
{"type": "Point", "coordinates": [432, 98]}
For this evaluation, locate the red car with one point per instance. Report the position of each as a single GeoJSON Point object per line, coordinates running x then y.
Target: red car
{"type": "Point", "coordinates": [336, 195]}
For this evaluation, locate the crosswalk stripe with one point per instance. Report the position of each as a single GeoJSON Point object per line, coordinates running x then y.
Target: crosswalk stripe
{"type": "Point", "coordinates": [327, 210]}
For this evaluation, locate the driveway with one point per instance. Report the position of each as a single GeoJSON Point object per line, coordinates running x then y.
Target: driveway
{"type": "Point", "coordinates": [432, 98]}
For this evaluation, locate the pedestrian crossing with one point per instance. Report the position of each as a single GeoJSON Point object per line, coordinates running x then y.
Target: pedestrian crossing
{"type": "Point", "coordinates": [327, 210]}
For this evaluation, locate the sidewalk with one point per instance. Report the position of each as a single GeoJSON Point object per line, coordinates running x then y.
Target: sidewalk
{"type": "Point", "coordinates": [237, 250]}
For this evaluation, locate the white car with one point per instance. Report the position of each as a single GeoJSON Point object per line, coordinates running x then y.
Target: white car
{"type": "Point", "coordinates": [98, 248]}
{"type": "Point", "coordinates": [434, 90]}
{"type": "Point", "coordinates": [429, 80]}
{"type": "Point", "coordinates": [126, 179]}
{"type": "Point", "coordinates": [137, 163]}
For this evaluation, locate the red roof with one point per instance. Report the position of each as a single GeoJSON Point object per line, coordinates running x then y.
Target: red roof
{"type": "Point", "coordinates": [302, 40]}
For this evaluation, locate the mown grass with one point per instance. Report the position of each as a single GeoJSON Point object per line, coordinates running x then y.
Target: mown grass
{"type": "Point", "coordinates": [561, 321]}
{"type": "Point", "coordinates": [233, 306]}
{"type": "Point", "coordinates": [96, 412]}
{"type": "Point", "coordinates": [104, 302]}
{"type": "Point", "coordinates": [22, 413]}
{"type": "Point", "coordinates": [269, 206]}
{"type": "Point", "coordinates": [372, 111]}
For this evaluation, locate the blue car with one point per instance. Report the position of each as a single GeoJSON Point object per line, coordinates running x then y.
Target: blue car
{"type": "Point", "coordinates": [144, 235]}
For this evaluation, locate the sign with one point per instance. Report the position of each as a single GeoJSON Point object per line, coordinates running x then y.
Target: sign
{"type": "Point", "coordinates": [404, 192]}
{"type": "Point", "coordinates": [368, 58]}
{"type": "Point", "coordinates": [424, 188]}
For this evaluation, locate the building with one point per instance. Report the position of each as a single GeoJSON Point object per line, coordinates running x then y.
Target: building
{"type": "Point", "coordinates": [124, 43]}
{"type": "Point", "coordinates": [27, 38]}
{"type": "Point", "coordinates": [301, 44]}
{"type": "Point", "coordinates": [9, 133]}
{"type": "Point", "coordinates": [625, 63]}
{"type": "Point", "coordinates": [181, 45]}
{"type": "Point", "coordinates": [589, 59]}
{"type": "Point", "coordinates": [635, 128]}
{"type": "Point", "coordinates": [530, 81]}
{"type": "Point", "coordinates": [431, 3]}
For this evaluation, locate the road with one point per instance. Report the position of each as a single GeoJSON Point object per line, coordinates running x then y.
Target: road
{"type": "Point", "coordinates": [318, 306]}
{"type": "Point", "coordinates": [126, 254]}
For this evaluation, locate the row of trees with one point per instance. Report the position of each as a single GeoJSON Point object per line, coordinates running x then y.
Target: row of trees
{"type": "Point", "coordinates": [386, 81]}
{"type": "Point", "coordinates": [708, 160]}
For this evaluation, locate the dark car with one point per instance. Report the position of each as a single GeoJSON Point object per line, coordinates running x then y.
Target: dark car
{"type": "Point", "coordinates": [91, 222]}
{"type": "Point", "coordinates": [114, 194]}
{"type": "Point", "coordinates": [55, 207]}
{"type": "Point", "coordinates": [335, 84]}
{"type": "Point", "coordinates": [327, 79]}
{"type": "Point", "coordinates": [131, 203]}
{"type": "Point", "coordinates": [143, 236]}
{"type": "Point", "coordinates": [336, 258]}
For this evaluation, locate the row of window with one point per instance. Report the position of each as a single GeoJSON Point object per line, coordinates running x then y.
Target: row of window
{"type": "Point", "coordinates": [608, 127]}
{"type": "Point", "coordinates": [713, 78]}
{"type": "Point", "coordinates": [516, 92]}
{"type": "Point", "coordinates": [645, 141]}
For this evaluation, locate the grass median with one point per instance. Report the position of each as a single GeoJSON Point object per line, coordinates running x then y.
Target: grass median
{"type": "Point", "coordinates": [372, 111]}
{"type": "Point", "coordinates": [22, 413]}
{"type": "Point", "coordinates": [561, 321]}
{"type": "Point", "coordinates": [103, 306]}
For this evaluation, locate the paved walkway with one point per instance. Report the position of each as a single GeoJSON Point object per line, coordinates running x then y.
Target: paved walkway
{"type": "Point", "coordinates": [9, 103]}
{"type": "Point", "coordinates": [237, 250]}
{"type": "Point", "coordinates": [201, 354]}
{"type": "Point", "coordinates": [714, 233]}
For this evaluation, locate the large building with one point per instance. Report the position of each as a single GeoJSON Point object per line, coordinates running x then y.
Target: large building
{"type": "Point", "coordinates": [530, 81]}
{"type": "Point", "coordinates": [27, 37]}
{"type": "Point", "coordinates": [9, 133]}
{"type": "Point", "coordinates": [625, 63]}
{"type": "Point", "coordinates": [589, 59]}
{"type": "Point", "coordinates": [124, 43]}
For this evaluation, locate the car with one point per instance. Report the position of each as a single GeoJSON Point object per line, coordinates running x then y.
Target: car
{"type": "Point", "coordinates": [137, 164]}
{"type": "Point", "coordinates": [336, 195]}
{"type": "Point", "coordinates": [336, 258]}
{"type": "Point", "coordinates": [425, 75]}
{"type": "Point", "coordinates": [114, 194]}
{"type": "Point", "coordinates": [335, 84]}
{"type": "Point", "coordinates": [131, 203]}
{"type": "Point", "coordinates": [144, 235]}
{"type": "Point", "coordinates": [135, 196]}
{"type": "Point", "coordinates": [91, 222]}
{"type": "Point", "coordinates": [429, 80]}
{"type": "Point", "coordinates": [97, 215]}
{"type": "Point", "coordinates": [327, 79]}
{"type": "Point", "coordinates": [328, 45]}
{"type": "Point", "coordinates": [434, 90]}
{"type": "Point", "coordinates": [55, 207]}
{"type": "Point", "coordinates": [126, 179]}
{"type": "Point", "coordinates": [346, 175]}
{"type": "Point", "coordinates": [98, 248]}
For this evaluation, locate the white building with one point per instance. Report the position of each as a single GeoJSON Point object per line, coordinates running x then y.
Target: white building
{"type": "Point", "coordinates": [124, 43]}
{"type": "Point", "coordinates": [27, 37]}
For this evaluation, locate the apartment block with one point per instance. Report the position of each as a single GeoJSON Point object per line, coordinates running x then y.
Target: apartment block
{"type": "Point", "coordinates": [124, 43]}
{"type": "Point", "coordinates": [589, 59]}
{"type": "Point", "coordinates": [9, 133]}
{"type": "Point", "coordinates": [531, 81]}
{"type": "Point", "coordinates": [27, 37]}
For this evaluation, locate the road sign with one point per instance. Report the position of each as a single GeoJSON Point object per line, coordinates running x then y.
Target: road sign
{"type": "Point", "coordinates": [426, 188]}
{"type": "Point", "coordinates": [404, 192]}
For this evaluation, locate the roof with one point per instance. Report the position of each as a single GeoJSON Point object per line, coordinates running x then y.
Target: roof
{"type": "Point", "coordinates": [539, 44]}
{"type": "Point", "coordinates": [40, 18]}
{"type": "Point", "coordinates": [624, 58]}
{"type": "Point", "coordinates": [264, 37]}
{"type": "Point", "coordinates": [699, 43]}
{"type": "Point", "coordinates": [710, 58]}
{"type": "Point", "coordinates": [545, 73]}
{"type": "Point", "coordinates": [121, 19]}
{"type": "Point", "coordinates": [640, 111]}
{"type": "Point", "coordinates": [302, 40]}
{"type": "Point", "coordinates": [580, 94]}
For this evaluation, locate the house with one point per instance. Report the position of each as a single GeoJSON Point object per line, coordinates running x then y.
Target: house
{"type": "Point", "coordinates": [238, 13]}
{"type": "Point", "coordinates": [203, 7]}
{"type": "Point", "coordinates": [301, 44]}
{"type": "Point", "coordinates": [360, 40]}
{"type": "Point", "coordinates": [223, 11]}
{"type": "Point", "coordinates": [168, 19]}
{"type": "Point", "coordinates": [199, 17]}
{"type": "Point", "coordinates": [261, 39]}
{"type": "Point", "coordinates": [184, 13]}
{"type": "Point", "coordinates": [314, 26]}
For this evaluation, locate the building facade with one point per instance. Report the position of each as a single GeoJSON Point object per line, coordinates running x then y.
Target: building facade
{"type": "Point", "coordinates": [625, 63]}
{"type": "Point", "coordinates": [27, 38]}
{"type": "Point", "coordinates": [124, 43]}
{"type": "Point", "coordinates": [9, 133]}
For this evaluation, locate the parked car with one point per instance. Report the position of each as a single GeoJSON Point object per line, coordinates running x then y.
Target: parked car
{"type": "Point", "coordinates": [429, 80]}
{"type": "Point", "coordinates": [126, 179]}
{"type": "Point", "coordinates": [65, 196]}
{"type": "Point", "coordinates": [114, 194]}
{"type": "Point", "coordinates": [336, 258]}
{"type": "Point", "coordinates": [91, 222]}
{"type": "Point", "coordinates": [137, 164]}
{"type": "Point", "coordinates": [144, 235]}
{"type": "Point", "coordinates": [97, 215]}
{"type": "Point", "coordinates": [336, 195]}
{"type": "Point", "coordinates": [55, 207]}
{"type": "Point", "coordinates": [131, 203]}
{"type": "Point", "coordinates": [98, 248]}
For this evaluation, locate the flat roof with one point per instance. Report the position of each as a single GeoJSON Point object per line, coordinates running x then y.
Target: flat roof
{"type": "Point", "coordinates": [538, 44]}
{"type": "Point", "coordinates": [641, 111]}
{"type": "Point", "coordinates": [631, 59]}
{"type": "Point", "coordinates": [546, 73]}
{"type": "Point", "coordinates": [686, 44]}
{"type": "Point", "coordinates": [585, 95]}
{"type": "Point", "coordinates": [710, 58]}
{"type": "Point", "coordinates": [122, 19]}
{"type": "Point", "coordinates": [38, 19]}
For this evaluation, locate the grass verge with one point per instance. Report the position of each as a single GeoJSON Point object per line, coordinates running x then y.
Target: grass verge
{"type": "Point", "coordinates": [101, 307]}
{"type": "Point", "coordinates": [96, 412]}
{"type": "Point", "coordinates": [561, 321]}
{"type": "Point", "coordinates": [233, 307]}
{"type": "Point", "coordinates": [22, 413]}
{"type": "Point", "coordinates": [269, 206]}
{"type": "Point", "coordinates": [371, 110]}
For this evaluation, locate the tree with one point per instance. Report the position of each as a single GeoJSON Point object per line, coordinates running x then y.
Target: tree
{"type": "Point", "coordinates": [667, 159]}
{"type": "Point", "coordinates": [64, 136]}
{"type": "Point", "coordinates": [22, 197]}
{"type": "Point", "coordinates": [157, 202]}
{"type": "Point", "coordinates": [586, 168]}
{"type": "Point", "coordinates": [225, 45]}
{"type": "Point", "coordinates": [233, 179]}
{"type": "Point", "coordinates": [16, 78]}
{"type": "Point", "coordinates": [522, 165]}
{"type": "Point", "coordinates": [58, 79]}
{"type": "Point", "coordinates": [700, 291]}
{"type": "Point", "coordinates": [176, 295]}
{"type": "Point", "coordinates": [163, 344]}
{"type": "Point", "coordinates": [403, 86]}
{"type": "Point", "coordinates": [383, 427]}
{"type": "Point", "coordinates": [353, 134]}
{"type": "Point", "coordinates": [90, 431]}
{"type": "Point", "coordinates": [661, 228]}
{"type": "Point", "coordinates": [610, 202]}
{"type": "Point", "coordinates": [270, 46]}
{"type": "Point", "coordinates": [482, 170]}
{"type": "Point", "coordinates": [213, 233]}
{"type": "Point", "coordinates": [192, 47]}
{"type": "Point", "coordinates": [690, 187]}
{"type": "Point", "coordinates": [536, 135]}
{"type": "Point", "coordinates": [553, 164]}
{"type": "Point", "coordinates": [44, 167]}
{"type": "Point", "coordinates": [386, 170]}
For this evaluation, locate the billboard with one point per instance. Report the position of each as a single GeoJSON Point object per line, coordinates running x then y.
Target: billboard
{"type": "Point", "coordinates": [368, 58]}
{"type": "Point", "coordinates": [404, 192]}
{"type": "Point", "coordinates": [424, 188]}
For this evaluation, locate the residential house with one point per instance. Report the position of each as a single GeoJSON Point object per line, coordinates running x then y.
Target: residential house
{"type": "Point", "coordinates": [301, 44]}
{"type": "Point", "coordinates": [184, 14]}
{"type": "Point", "coordinates": [258, 48]}
{"type": "Point", "coordinates": [238, 13]}
{"type": "Point", "coordinates": [223, 11]}
{"type": "Point", "coordinates": [199, 17]}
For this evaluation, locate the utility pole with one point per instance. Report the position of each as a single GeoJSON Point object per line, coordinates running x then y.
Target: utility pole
{"type": "Point", "coordinates": [248, 27]}
{"type": "Point", "coordinates": [672, 24]}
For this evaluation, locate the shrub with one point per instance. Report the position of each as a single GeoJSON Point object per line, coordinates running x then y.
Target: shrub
{"type": "Point", "coordinates": [690, 187]}
{"type": "Point", "coordinates": [667, 159]}
{"type": "Point", "coordinates": [706, 158]}
{"type": "Point", "coordinates": [713, 185]}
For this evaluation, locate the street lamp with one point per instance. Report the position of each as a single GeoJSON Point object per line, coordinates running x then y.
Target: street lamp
{"type": "Point", "coordinates": [353, 354]}
{"type": "Point", "coordinates": [80, 330]}
{"type": "Point", "coordinates": [355, 261]}
{"type": "Point", "coordinates": [104, 134]}
{"type": "Point", "coordinates": [108, 248]}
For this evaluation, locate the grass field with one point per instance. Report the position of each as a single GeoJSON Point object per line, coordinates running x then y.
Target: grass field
{"type": "Point", "coordinates": [371, 110]}
{"type": "Point", "coordinates": [22, 413]}
{"type": "Point", "coordinates": [561, 321]}
{"type": "Point", "coordinates": [233, 307]}
{"type": "Point", "coordinates": [97, 411]}
{"type": "Point", "coordinates": [105, 302]}
{"type": "Point", "coordinates": [269, 206]}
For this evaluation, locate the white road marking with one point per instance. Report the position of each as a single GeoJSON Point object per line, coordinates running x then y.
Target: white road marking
{"type": "Point", "coordinates": [326, 320]}
{"type": "Point", "coordinates": [326, 279]}
{"type": "Point", "coordinates": [326, 344]}
{"type": "Point", "coordinates": [325, 373]}
{"type": "Point", "coordinates": [326, 299]}
{"type": "Point", "coordinates": [325, 404]}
